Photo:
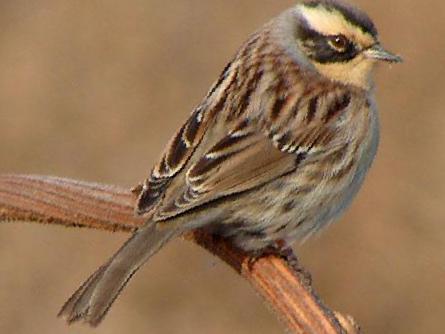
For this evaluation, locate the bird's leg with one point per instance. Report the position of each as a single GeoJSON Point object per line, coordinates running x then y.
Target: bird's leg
{"type": "Point", "coordinates": [279, 248]}
{"type": "Point", "coordinates": [285, 251]}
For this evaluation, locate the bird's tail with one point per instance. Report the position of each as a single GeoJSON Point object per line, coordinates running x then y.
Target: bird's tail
{"type": "Point", "coordinates": [94, 298]}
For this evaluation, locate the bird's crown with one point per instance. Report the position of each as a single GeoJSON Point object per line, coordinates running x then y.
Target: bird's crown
{"type": "Point", "coordinates": [326, 14]}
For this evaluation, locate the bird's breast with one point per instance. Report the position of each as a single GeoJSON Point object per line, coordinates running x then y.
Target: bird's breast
{"type": "Point", "coordinates": [301, 203]}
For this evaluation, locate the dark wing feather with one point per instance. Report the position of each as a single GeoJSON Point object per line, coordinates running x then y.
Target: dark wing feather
{"type": "Point", "coordinates": [259, 151]}
{"type": "Point", "coordinates": [237, 163]}
{"type": "Point", "coordinates": [184, 144]}
{"type": "Point", "coordinates": [215, 155]}
{"type": "Point", "coordinates": [178, 152]}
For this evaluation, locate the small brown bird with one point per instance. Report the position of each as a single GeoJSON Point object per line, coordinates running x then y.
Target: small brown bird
{"type": "Point", "coordinates": [277, 149]}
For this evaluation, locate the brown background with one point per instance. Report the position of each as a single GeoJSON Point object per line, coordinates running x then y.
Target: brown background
{"type": "Point", "coordinates": [94, 89]}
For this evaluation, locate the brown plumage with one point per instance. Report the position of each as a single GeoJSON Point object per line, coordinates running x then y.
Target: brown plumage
{"type": "Point", "coordinates": [277, 149]}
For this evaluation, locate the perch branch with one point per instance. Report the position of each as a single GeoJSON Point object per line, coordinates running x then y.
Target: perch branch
{"type": "Point", "coordinates": [285, 287]}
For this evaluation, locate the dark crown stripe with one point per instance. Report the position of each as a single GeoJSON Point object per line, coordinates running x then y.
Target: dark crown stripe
{"type": "Point", "coordinates": [351, 14]}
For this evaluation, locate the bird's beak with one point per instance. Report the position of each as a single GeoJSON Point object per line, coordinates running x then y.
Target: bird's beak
{"type": "Point", "coordinates": [377, 52]}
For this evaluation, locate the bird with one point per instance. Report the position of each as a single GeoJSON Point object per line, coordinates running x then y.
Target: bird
{"type": "Point", "coordinates": [276, 150]}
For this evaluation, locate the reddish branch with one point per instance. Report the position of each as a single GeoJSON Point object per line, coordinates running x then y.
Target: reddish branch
{"type": "Point", "coordinates": [286, 288]}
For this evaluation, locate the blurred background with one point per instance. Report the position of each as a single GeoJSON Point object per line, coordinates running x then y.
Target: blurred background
{"type": "Point", "coordinates": [94, 89]}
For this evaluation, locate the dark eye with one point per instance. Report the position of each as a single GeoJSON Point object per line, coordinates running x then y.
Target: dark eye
{"type": "Point", "coordinates": [339, 42]}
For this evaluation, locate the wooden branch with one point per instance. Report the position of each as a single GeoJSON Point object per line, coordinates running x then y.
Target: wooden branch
{"type": "Point", "coordinates": [285, 287]}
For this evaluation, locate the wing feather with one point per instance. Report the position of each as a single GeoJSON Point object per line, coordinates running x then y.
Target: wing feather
{"type": "Point", "coordinates": [254, 128]}
{"type": "Point", "coordinates": [251, 161]}
{"type": "Point", "coordinates": [178, 152]}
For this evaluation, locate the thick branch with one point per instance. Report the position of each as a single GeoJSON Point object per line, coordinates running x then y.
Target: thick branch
{"type": "Point", "coordinates": [286, 288]}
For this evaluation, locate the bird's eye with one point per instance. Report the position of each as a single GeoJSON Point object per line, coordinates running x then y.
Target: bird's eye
{"type": "Point", "coordinates": [339, 42]}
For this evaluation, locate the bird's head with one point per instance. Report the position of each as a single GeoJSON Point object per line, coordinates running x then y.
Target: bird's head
{"type": "Point", "coordinates": [340, 41]}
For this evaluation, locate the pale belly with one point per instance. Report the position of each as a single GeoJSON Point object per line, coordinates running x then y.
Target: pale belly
{"type": "Point", "coordinates": [293, 208]}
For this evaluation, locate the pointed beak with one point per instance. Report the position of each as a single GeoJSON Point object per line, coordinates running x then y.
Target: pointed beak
{"type": "Point", "coordinates": [377, 52]}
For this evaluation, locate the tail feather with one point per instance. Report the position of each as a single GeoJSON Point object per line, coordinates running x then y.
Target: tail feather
{"type": "Point", "coordinates": [94, 298]}
{"type": "Point", "coordinates": [75, 307]}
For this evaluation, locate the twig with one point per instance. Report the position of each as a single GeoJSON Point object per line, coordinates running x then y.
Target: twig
{"type": "Point", "coordinates": [285, 287]}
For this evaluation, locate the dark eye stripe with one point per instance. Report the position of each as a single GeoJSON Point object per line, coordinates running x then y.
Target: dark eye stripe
{"type": "Point", "coordinates": [319, 49]}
